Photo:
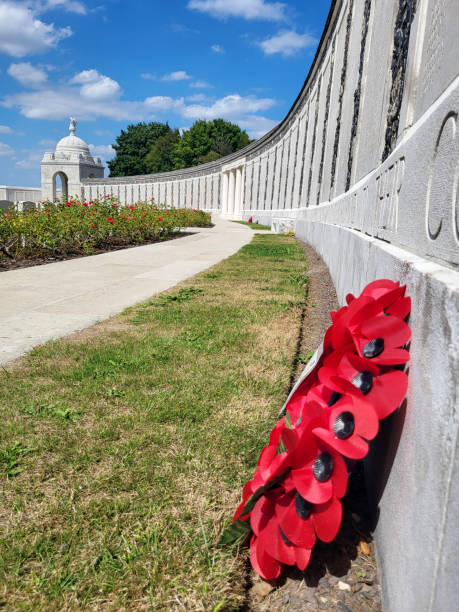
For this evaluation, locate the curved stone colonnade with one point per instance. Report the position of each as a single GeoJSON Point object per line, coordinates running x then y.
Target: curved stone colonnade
{"type": "Point", "coordinates": [365, 169]}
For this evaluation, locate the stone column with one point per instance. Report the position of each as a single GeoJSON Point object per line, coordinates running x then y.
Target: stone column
{"type": "Point", "coordinates": [238, 194]}
{"type": "Point", "coordinates": [231, 192]}
{"type": "Point", "coordinates": [225, 193]}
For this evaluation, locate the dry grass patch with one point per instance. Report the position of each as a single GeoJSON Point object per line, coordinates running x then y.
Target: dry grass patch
{"type": "Point", "coordinates": [123, 449]}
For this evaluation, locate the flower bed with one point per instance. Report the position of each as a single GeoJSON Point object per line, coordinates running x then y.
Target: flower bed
{"type": "Point", "coordinates": [67, 228]}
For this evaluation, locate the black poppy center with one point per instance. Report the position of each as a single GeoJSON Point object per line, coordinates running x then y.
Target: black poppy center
{"type": "Point", "coordinates": [374, 348]}
{"type": "Point", "coordinates": [303, 507]}
{"type": "Point", "coordinates": [323, 467]}
{"type": "Point", "coordinates": [285, 538]}
{"type": "Point", "coordinates": [334, 397]}
{"type": "Point", "coordinates": [363, 381]}
{"type": "Point", "coordinates": [344, 425]}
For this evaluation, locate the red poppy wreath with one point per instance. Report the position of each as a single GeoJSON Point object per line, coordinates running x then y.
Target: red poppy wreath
{"type": "Point", "coordinates": [355, 381]}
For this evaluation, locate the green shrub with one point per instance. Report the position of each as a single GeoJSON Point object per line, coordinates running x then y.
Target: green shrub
{"type": "Point", "coordinates": [72, 227]}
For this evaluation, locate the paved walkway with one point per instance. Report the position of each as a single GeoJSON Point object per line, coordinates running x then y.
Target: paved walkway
{"type": "Point", "coordinates": [41, 303]}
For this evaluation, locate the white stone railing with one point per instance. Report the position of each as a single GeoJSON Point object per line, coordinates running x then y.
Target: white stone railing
{"type": "Point", "coordinates": [365, 167]}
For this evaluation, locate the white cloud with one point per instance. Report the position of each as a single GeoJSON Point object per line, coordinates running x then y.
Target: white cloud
{"type": "Point", "coordinates": [148, 76]}
{"type": "Point", "coordinates": [229, 107]}
{"type": "Point", "coordinates": [200, 85]}
{"type": "Point", "coordinates": [49, 143]}
{"type": "Point", "coordinates": [27, 74]}
{"type": "Point", "coordinates": [31, 159]}
{"type": "Point", "coordinates": [217, 49]}
{"type": "Point", "coordinates": [5, 149]}
{"type": "Point", "coordinates": [179, 75]}
{"type": "Point", "coordinates": [96, 86]}
{"type": "Point", "coordinates": [70, 6]}
{"type": "Point", "coordinates": [22, 33]}
{"type": "Point", "coordinates": [287, 43]}
{"type": "Point", "coordinates": [256, 126]}
{"type": "Point", "coordinates": [106, 152]}
{"type": "Point", "coordinates": [4, 129]}
{"type": "Point", "coordinates": [247, 9]}
{"type": "Point", "coordinates": [104, 100]}
{"type": "Point", "coordinates": [198, 98]}
{"type": "Point", "coordinates": [163, 103]}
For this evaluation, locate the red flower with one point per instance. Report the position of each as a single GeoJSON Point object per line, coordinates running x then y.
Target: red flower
{"type": "Point", "coordinates": [250, 220]}
{"type": "Point", "coordinates": [110, 220]}
{"type": "Point", "coordinates": [320, 472]}
{"type": "Point", "coordinates": [131, 207]}
{"type": "Point", "coordinates": [90, 201]}
{"type": "Point", "coordinates": [93, 212]}
{"type": "Point", "coordinates": [115, 205]}
{"type": "Point", "coordinates": [152, 199]}
{"type": "Point", "coordinates": [358, 376]}
{"type": "Point", "coordinates": [302, 521]}
{"type": "Point", "coordinates": [85, 204]}
{"type": "Point", "coordinates": [68, 203]}
{"type": "Point", "coordinates": [270, 546]}
{"type": "Point", "coordinates": [160, 218]}
{"type": "Point", "coordinates": [141, 218]}
{"type": "Point", "coordinates": [123, 218]}
{"type": "Point", "coordinates": [351, 422]}
{"type": "Point", "coordinates": [93, 226]}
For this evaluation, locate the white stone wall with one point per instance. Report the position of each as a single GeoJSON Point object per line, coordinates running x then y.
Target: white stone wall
{"type": "Point", "coordinates": [20, 194]}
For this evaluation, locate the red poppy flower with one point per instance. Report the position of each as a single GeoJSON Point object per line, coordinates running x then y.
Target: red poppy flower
{"type": "Point", "coordinates": [85, 204]}
{"type": "Point", "coordinates": [110, 220]}
{"type": "Point", "coordinates": [380, 339]}
{"type": "Point", "coordinates": [384, 390]}
{"type": "Point", "coordinates": [269, 546]}
{"type": "Point", "coordinates": [90, 201]}
{"type": "Point", "coordinates": [351, 422]}
{"type": "Point", "coordinates": [320, 472]}
{"type": "Point", "coordinates": [131, 207]}
{"type": "Point", "coordinates": [302, 521]}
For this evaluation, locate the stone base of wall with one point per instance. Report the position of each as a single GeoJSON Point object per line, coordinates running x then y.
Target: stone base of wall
{"type": "Point", "coordinates": [415, 483]}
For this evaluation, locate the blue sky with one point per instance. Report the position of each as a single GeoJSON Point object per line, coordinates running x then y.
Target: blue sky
{"type": "Point", "coordinates": [114, 62]}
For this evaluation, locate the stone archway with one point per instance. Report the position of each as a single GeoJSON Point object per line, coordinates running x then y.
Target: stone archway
{"type": "Point", "coordinates": [64, 184]}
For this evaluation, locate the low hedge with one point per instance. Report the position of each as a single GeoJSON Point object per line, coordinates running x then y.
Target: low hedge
{"type": "Point", "coordinates": [73, 227]}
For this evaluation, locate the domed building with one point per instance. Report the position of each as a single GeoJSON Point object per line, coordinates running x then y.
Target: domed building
{"type": "Point", "coordinates": [69, 164]}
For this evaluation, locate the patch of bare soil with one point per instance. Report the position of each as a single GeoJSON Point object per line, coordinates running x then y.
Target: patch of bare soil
{"type": "Point", "coordinates": [14, 264]}
{"type": "Point", "coordinates": [341, 576]}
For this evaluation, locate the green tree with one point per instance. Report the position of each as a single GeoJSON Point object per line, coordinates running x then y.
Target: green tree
{"type": "Point", "coordinates": [159, 158]}
{"type": "Point", "coordinates": [207, 141]}
{"type": "Point", "coordinates": [132, 147]}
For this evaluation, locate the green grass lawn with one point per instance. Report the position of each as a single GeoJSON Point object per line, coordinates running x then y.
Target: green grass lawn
{"type": "Point", "coordinates": [123, 449]}
{"type": "Point", "coordinates": [254, 226]}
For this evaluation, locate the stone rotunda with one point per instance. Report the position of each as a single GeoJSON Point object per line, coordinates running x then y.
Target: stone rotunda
{"type": "Point", "coordinates": [71, 162]}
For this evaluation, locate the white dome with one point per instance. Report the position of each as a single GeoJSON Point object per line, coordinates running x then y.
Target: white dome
{"type": "Point", "coordinates": [72, 144]}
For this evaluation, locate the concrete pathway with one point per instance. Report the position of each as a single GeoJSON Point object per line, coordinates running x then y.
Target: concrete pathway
{"type": "Point", "coordinates": [53, 300]}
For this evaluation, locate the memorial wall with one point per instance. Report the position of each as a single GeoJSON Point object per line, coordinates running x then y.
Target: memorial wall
{"type": "Point", "coordinates": [365, 168]}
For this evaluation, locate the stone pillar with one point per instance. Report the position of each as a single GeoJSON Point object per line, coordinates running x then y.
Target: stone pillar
{"type": "Point", "coordinates": [231, 192]}
{"type": "Point", "coordinates": [238, 194]}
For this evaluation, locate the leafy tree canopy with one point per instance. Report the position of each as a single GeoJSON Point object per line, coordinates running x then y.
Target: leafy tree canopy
{"type": "Point", "coordinates": [154, 147]}
{"type": "Point", "coordinates": [132, 147]}
{"type": "Point", "coordinates": [159, 158]}
{"type": "Point", "coordinates": [207, 141]}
